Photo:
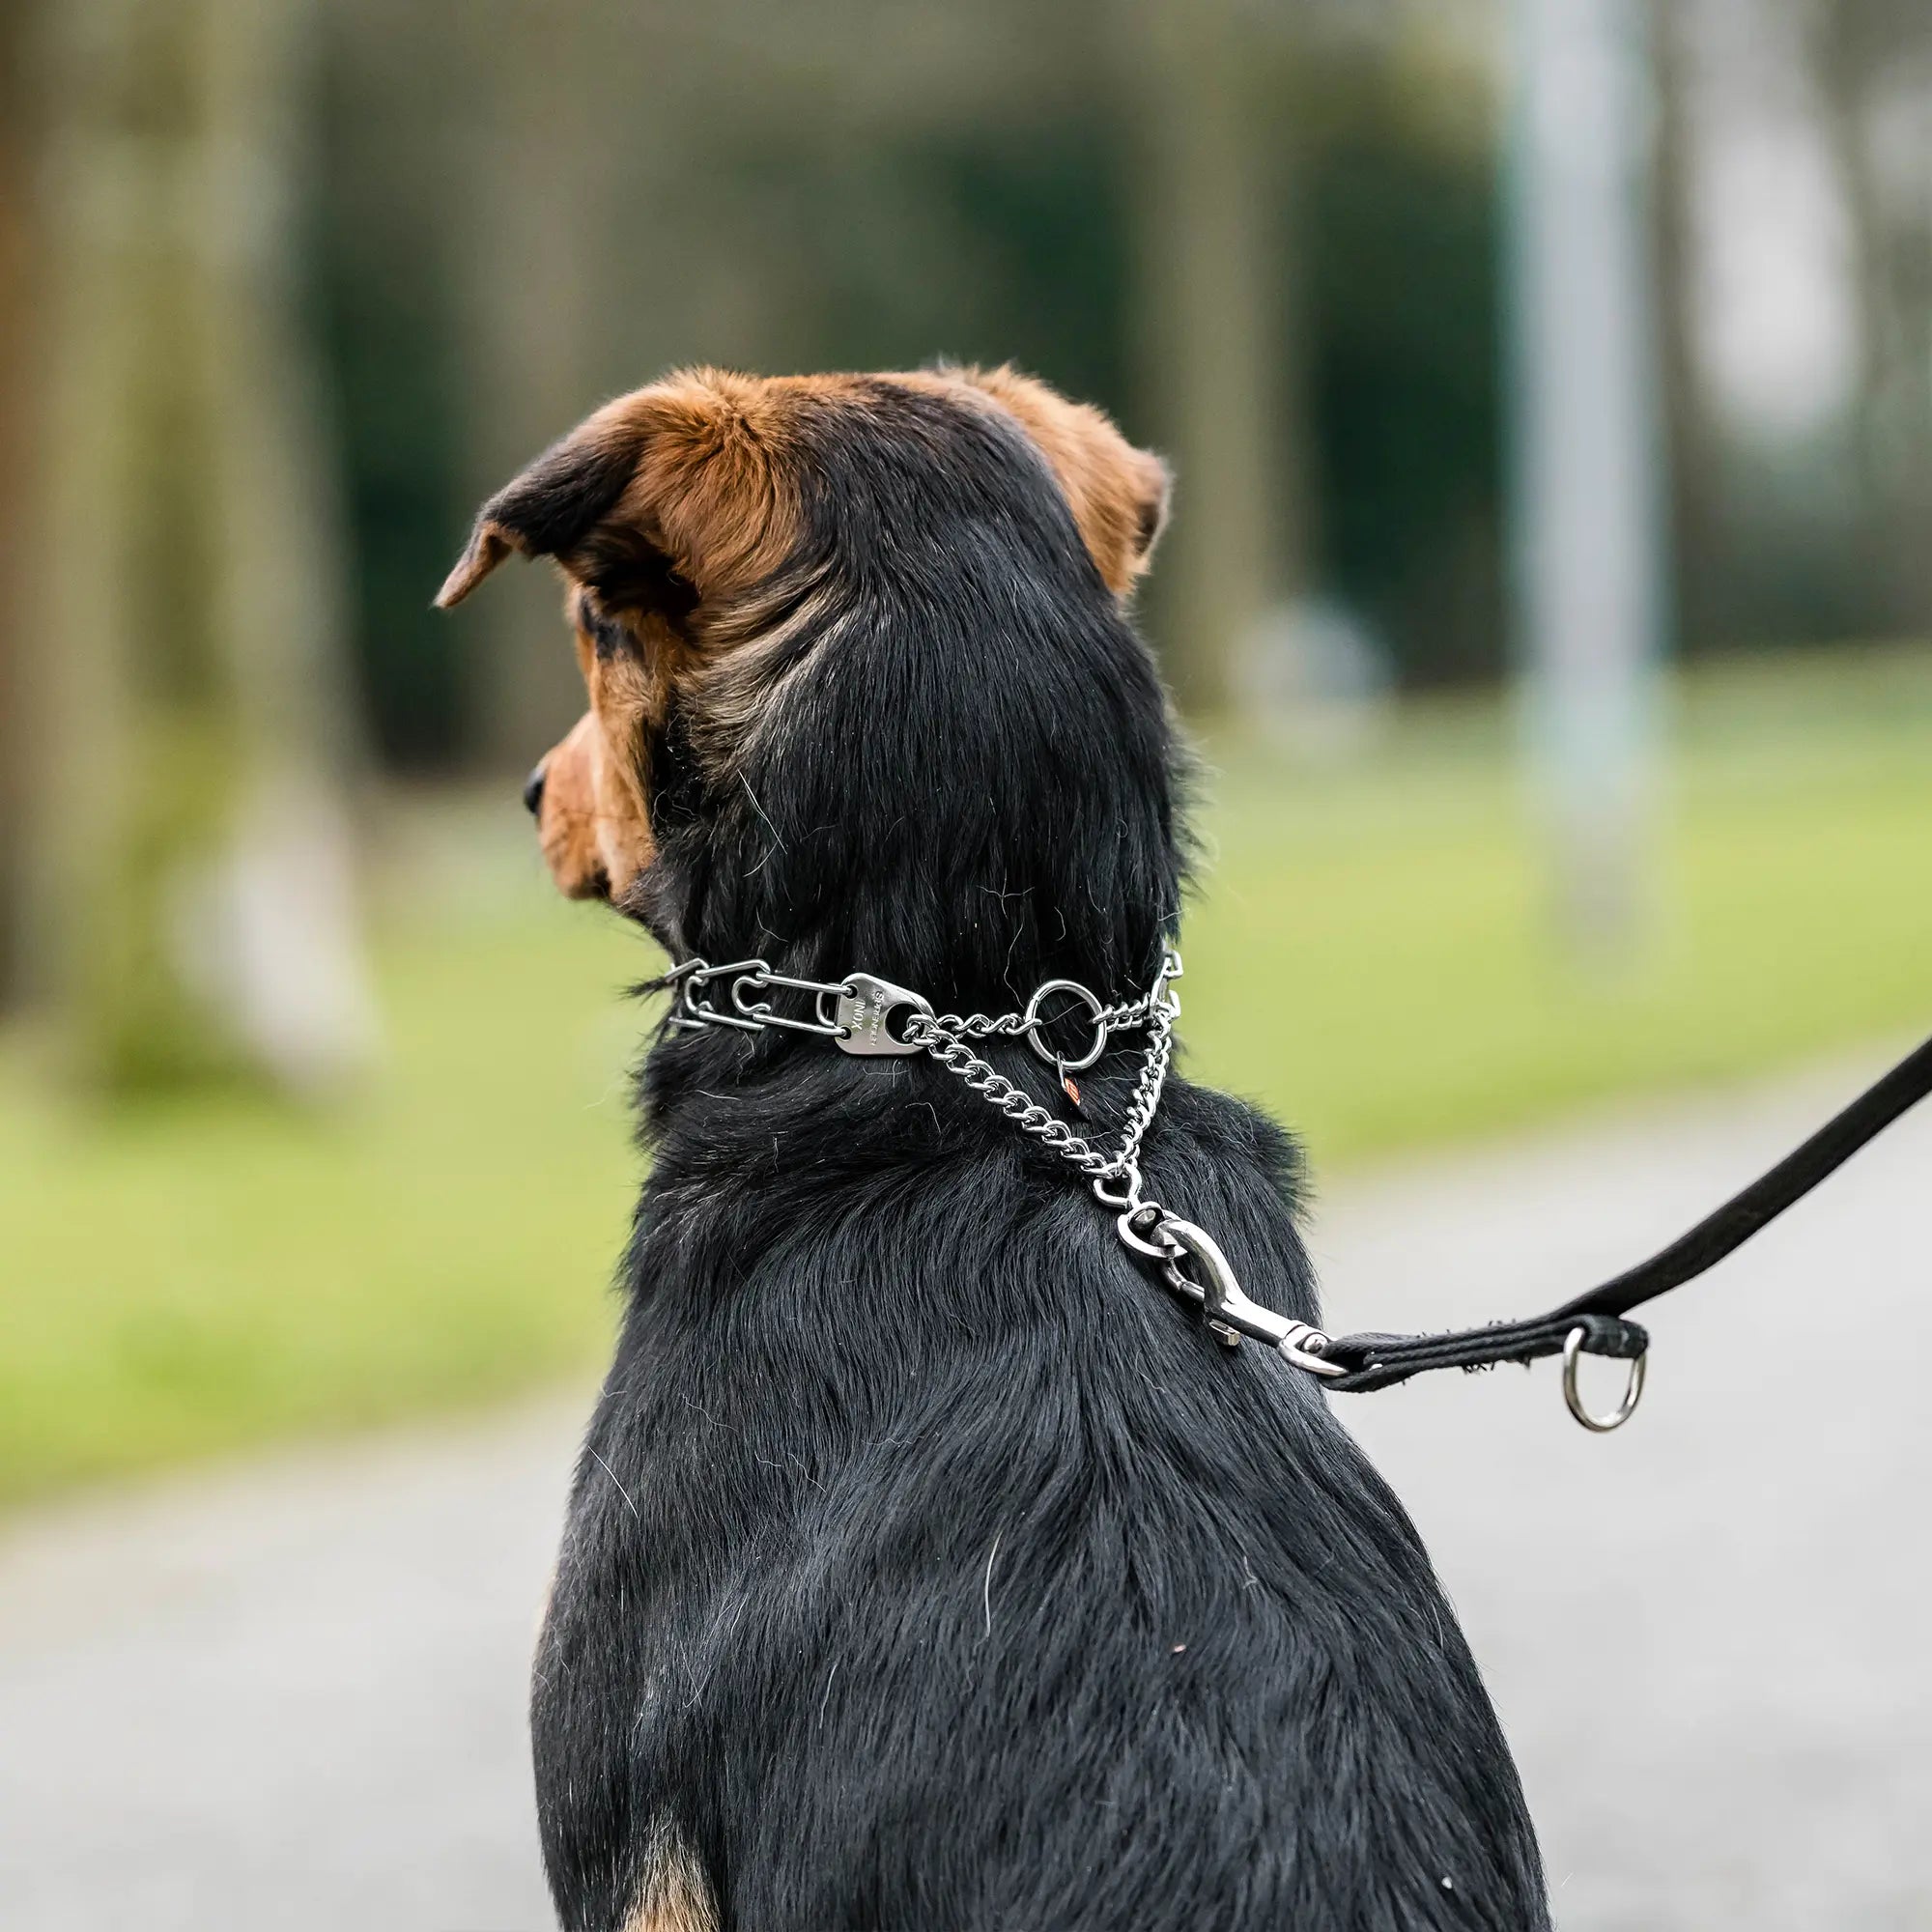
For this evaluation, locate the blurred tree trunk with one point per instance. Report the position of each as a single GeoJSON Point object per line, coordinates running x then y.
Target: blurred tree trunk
{"type": "Point", "coordinates": [1208, 192]}
{"type": "Point", "coordinates": [531, 286]}
{"type": "Point", "coordinates": [15, 460]}
{"type": "Point", "coordinates": [193, 917]}
{"type": "Point", "coordinates": [1690, 443]}
{"type": "Point", "coordinates": [1855, 48]}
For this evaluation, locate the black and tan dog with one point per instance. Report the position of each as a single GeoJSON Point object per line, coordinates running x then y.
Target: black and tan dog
{"type": "Point", "coordinates": [930, 1566]}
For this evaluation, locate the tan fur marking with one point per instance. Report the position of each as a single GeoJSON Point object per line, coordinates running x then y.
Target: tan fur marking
{"type": "Point", "coordinates": [715, 487]}
{"type": "Point", "coordinates": [570, 820]}
{"type": "Point", "coordinates": [488, 548]}
{"type": "Point", "coordinates": [675, 1895]}
{"type": "Point", "coordinates": [741, 693]}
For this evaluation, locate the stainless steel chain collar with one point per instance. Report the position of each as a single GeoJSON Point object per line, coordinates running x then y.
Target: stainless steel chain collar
{"type": "Point", "coordinates": [866, 1015]}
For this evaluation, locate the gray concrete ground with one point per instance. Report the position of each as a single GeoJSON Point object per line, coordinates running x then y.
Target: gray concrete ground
{"type": "Point", "coordinates": [291, 1697]}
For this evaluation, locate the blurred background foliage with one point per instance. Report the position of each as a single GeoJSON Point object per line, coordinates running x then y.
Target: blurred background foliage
{"type": "Point", "coordinates": [312, 1098]}
{"type": "Point", "coordinates": [973, 195]}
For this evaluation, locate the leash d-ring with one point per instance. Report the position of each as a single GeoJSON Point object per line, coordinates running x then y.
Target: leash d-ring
{"type": "Point", "coordinates": [1601, 1424]}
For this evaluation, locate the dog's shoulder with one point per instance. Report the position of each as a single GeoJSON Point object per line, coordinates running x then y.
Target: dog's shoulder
{"type": "Point", "coordinates": [922, 1519]}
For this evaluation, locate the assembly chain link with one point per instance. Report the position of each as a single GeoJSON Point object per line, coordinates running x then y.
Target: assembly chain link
{"type": "Point", "coordinates": [867, 1017]}
{"type": "Point", "coordinates": [864, 1014]}
{"type": "Point", "coordinates": [944, 1039]}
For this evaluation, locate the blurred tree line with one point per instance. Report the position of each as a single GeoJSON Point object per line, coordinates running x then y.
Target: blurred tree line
{"type": "Point", "coordinates": [289, 285]}
{"type": "Point", "coordinates": [1268, 249]}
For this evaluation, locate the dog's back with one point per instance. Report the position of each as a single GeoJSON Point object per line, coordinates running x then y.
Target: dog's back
{"type": "Point", "coordinates": [929, 1565]}
{"type": "Point", "coordinates": [929, 1570]}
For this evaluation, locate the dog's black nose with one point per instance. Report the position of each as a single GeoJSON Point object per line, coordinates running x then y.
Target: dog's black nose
{"type": "Point", "coordinates": [533, 792]}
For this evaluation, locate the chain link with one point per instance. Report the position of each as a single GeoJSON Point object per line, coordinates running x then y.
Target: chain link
{"type": "Point", "coordinates": [1188, 1259]}
{"type": "Point", "coordinates": [1104, 1019]}
{"type": "Point", "coordinates": [944, 1039]}
{"type": "Point", "coordinates": [866, 1015]}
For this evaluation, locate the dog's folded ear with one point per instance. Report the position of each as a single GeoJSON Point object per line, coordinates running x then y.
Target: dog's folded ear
{"type": "Point", "coordinates": [660, 498]}
{"type": "Point", "coordinates": [1153, 495]}
{"type": "Point", "coordinates": [551, 508]}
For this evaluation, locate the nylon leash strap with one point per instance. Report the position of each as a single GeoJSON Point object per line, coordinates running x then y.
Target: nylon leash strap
{"type": "Point", "coordinates": [1372, 1361]}
{"type": "Point", "coordinates": [866, 1015]}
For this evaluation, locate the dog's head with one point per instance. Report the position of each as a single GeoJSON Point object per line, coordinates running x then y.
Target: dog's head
{"type": "Point", "coordinates": [770, 579]}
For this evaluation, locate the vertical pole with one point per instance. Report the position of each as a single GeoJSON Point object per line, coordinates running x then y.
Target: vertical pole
{"type": "Point", "coordinates": [1587, 495]}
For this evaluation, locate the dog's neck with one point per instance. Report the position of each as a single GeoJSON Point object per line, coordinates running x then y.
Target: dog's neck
{"type": "Point", "coordinates": [949, 838]}
{"type": "Point", "coordinates": [959, 894]}
{"type": "Point", "coordinates": [955, 768]}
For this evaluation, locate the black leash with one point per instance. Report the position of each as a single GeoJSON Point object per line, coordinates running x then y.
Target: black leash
{"type": "Point", "coordinates": [1380, 1361]}
{"type": "Point", "coordinates": [866, 1015]}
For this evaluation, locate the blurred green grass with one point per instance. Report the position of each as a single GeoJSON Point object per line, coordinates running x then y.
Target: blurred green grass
{"type": "Point", "coordinates": [1373, 954]}
{"type": "Point", "coordinates": [1368, 954]}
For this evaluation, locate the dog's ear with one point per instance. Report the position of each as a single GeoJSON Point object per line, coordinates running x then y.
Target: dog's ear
{"type": "Point", "coordinates": [550, 509]}
{"type": "Point", "coordinates": [1118, 494]}
{"type": "Point", "coordinates": [667, 496]}
{"type": "Point", "coordinates": [1153, 493]}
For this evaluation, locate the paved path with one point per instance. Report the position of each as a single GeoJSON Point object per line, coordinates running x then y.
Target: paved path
{"type": "Point", "coordinates": [1710, 1635]}
{"type": "Point", "coordinates": [291, 1698]}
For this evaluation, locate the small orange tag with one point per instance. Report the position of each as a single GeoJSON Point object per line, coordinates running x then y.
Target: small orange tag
{"type": "Point", "coordinates": [1073, 1092]}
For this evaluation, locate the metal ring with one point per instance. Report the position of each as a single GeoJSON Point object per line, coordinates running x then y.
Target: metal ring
{"type": "Point", "coordinates": [1601, 1425]}
{"type": "Point", "coordinates": [1030, 1025]}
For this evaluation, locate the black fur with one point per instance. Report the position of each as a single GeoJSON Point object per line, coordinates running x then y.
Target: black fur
{"type": "Point", "coordinates": [552, 504]}
{"type": "Point", "coordinates": [929, 1565]}
{"type": "Point", "coordinates": [561, 506]}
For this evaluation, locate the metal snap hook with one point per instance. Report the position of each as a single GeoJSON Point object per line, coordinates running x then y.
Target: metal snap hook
{"type": "Point", "coordinates": [1163, 999]}
{"type": "Point", "coordinates": [1143, 1228]}
{"type": "Point", "coordinates": [1601, 1425]}
{"type": "Point", "coordinates": [1226, 1307]}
